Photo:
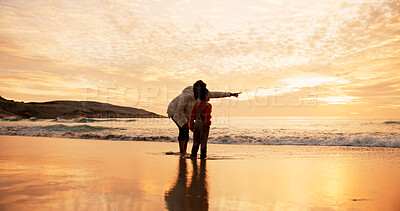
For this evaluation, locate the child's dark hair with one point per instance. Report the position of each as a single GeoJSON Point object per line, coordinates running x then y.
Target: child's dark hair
{"type": "Point", "coordinates": [203, 92]}
{"type": "Point", "coordinates": [196, 86]}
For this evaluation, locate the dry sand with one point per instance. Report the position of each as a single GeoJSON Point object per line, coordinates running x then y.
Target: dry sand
{"type": "Point", "coordinates": [64, 174]}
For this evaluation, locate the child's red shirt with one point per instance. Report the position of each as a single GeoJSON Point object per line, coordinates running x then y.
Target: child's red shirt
{"type": "Point", "coordinates": [206, 114]}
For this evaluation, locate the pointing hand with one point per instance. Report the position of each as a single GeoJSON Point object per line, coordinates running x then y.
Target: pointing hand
{"type": "Point", "coordinates": [236, 94]}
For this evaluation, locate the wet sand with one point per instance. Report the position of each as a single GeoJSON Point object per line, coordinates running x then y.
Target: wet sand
{"type": "Point", "coordinates": [69, 174]}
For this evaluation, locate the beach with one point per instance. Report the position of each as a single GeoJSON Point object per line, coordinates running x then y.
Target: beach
{"type": "Point", "coordinates": [298, 102]}
{"type": "Point", "coordinates": [39, 173]}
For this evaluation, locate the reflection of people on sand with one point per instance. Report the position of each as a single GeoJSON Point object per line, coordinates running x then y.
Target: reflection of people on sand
{"type": "Point", "coordinates": [176, 197]}
{"type": "Point", "coordinates": [194, 197]}
{"type": "Point", "coordinates": [197, 191]}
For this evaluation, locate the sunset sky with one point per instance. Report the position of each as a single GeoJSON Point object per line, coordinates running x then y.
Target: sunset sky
{"type": "Point", "coordinates": [289, 58]}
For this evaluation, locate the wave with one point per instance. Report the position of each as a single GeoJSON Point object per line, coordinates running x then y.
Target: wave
{"type": "Point", "coordinates": [36, 120]}
{"type": "Point", "coordinates": [75, 128]}
{"type": "Point", "coordinates": [107, 133]}
{"type": "Point", "coordinates": [83, 120]}
{"type": "Point", "coordinates": [392, 140]}
{"type": "Point", "coordinates": [88, 120]}
{"type": "Point", "coordinates": [105, 120]}
{"type": "Point", "coordinates": [392, 122]}
{"type": "Point", "coordinates": [11, 119]}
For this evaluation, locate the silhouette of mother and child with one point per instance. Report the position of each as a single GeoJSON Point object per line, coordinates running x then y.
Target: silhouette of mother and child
{"type": "Point", "coordinates": [191, 111]}
{"type": "Point", "coordinates": [192, 196]}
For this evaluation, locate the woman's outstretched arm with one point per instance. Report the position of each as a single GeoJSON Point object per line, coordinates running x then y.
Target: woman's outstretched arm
{"type": "Point", "coordinates": [223, 94]}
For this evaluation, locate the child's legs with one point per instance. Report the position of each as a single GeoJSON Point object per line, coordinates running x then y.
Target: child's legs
{"type": "Point", "coordinates": [196, 141]}
{"type": "Point", "coordinates": [196, 136]}
{"type": "Point", "coordinates": [203, 140]}
{"type": "Point", "coordinates": [204, 137]}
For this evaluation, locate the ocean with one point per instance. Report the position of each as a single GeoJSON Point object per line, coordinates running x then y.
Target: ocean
{"type": "Point", "coordinates": [313, 131]}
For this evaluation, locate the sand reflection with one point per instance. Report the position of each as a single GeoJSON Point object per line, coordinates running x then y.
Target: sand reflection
{"type": "Point", "coordinates": [192, 197]}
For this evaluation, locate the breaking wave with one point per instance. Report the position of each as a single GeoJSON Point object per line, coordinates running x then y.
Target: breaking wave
{"type": "Point", "coordinates": [392, 122]}
{"type": "Point", "coordinates": [392, 140]}
{"type": "Point", "coordinates": [109, 133]}
{"type": "Point", "coordinates": [76, 128]}
{"type": "Point", "coordinates": [87, 120]}
{"type": "Point", "coordinates": [83, 120]}
{"type": "Point", "coordinates": [11, 119]}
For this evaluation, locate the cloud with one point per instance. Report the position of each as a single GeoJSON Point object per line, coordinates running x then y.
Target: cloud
{"type": "Point", "coordinates": [124, 33]}
{"type": "Point", "coordinates": [299, 86]}
{"type": "Point", "coordinates": [333, 99]}
{"type": "Point", "coordinates": [286, 44]}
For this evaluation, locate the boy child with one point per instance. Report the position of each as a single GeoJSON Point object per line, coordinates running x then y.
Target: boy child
{"type": "Point", "coordinates": [199, 124]}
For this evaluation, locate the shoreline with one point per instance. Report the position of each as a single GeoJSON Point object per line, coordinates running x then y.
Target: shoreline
{"type": "Point", "coordinates": [167, 139]}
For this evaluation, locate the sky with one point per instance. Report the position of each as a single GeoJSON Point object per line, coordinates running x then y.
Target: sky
{"type": "Point", "coordinates": [288, 58]}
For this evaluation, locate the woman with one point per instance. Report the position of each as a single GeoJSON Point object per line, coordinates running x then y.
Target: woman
{"type": "Point", "coordinates": [180, 108]}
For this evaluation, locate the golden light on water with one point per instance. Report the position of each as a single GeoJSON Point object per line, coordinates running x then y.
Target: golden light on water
{"type": "Point", "coordinates": [337, 53]}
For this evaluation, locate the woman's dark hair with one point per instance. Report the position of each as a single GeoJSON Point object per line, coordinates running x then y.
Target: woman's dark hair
{"type": "Point", "coordinates": [203, 92]}
{"type": "Point", "coordinates": [196, 86]}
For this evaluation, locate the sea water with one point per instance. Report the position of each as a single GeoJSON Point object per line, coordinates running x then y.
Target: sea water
{"type": "Point", "coordinates": [323, 131]}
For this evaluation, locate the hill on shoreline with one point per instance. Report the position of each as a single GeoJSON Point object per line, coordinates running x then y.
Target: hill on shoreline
{"type": "Point", "coordinates": [69, 110]}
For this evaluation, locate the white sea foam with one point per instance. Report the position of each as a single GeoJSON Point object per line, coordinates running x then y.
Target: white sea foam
{"type": "Point", "coordinates": [362, 141]}
{"type": "Point", "coordinates": [97, 132]}
{"type": "Point", "coordinates": [313, 132]}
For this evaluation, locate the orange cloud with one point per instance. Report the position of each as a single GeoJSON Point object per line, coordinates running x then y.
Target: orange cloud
{"type": "Point", "coordinates": [76, 45]}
